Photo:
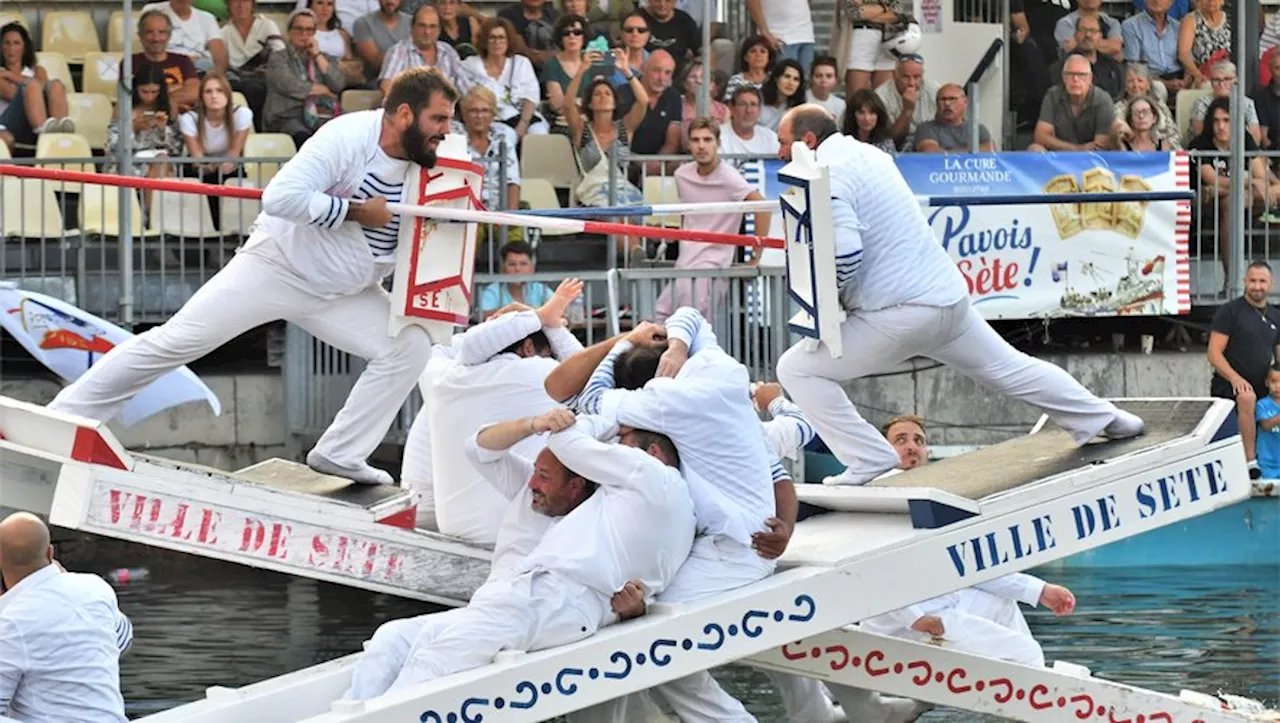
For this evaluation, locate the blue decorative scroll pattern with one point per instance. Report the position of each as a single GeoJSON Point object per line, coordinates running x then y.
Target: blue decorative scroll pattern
{"type": "Point", "coordinates": [658, 653]}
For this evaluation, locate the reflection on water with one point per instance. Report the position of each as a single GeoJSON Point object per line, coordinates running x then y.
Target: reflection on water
{"type": "Point", "coordinates": [1167, 629]}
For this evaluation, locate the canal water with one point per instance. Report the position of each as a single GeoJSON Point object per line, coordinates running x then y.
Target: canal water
{"type": "Point", "coordinates": [218, 624]}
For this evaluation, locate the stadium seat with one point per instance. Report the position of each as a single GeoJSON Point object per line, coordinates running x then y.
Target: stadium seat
{"type": "Point", "coordinates": [115, 33]}
{"type": "Point", "coordinates": [238, 214]}
{"type": "Point", "coordinates": [92, 114]}
{"type": "Point", "coordinates": [55, 64]}
{"type": "Point", "coordinates": [360, 100]}
{"type": "Point", "coordinates": [70, 32]}
{"type": "Point", "coordinates": [661, 189]}
{"type": "Point", "coordinates": [540, 194]}
{"type": "Point", "coordinates": [13, 16]}
{"type": "Point", "coordinates": [65, 145]}
{"type": "Point", "coordinates": [101, 74]}
{"type": "Point", "coordinates": [239, 101]}
{"type": "Point", "coordinates": [551, 157]}
{"type": "Point", "coordinates": [266, 145]}
{"type": "Point", "coordinates": [30, 209]}
{"type": "Point", "coordinates": [1182, 115]}
{"type": "Point", "coordinates": [185, 215]}
{"type": "Point", "coordinates": [100, 211]}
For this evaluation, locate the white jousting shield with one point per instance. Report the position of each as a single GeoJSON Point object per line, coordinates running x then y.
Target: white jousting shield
{"type": "Point", "coordinates": [811, 255]}
{"type": "Point", "coordinates": [435, 260]}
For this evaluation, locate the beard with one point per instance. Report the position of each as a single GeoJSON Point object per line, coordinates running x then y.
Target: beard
{"type": "Point", "coordinates": [415, 147]}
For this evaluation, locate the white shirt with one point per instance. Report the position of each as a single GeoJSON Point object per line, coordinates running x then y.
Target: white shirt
{"type": "Point", "coordinates": [926, 107]}
{"type": "Point", "coordinates": [763, 142]}
{"type": "Point", "coordinates": [1018, 586]}
{"type": "Point", "coordinates": [834, 104]}
{"type": "Point", "coordinates": [348, 12]}
{"type": "Point", "coordinates": [610, 538]}
{"type": "Point", "coordinates": [706, 410]}
{"type": "Point", "coordinates": [306, 202]}
{"type": "Point", "coordinates": [216, 138]}
{"type": "Point", "coordinates": [61, 635]}
{"type": "Point", "coordinates": [521, 528]}
{"type": "Point", "coordinates": [190, 37]}
{"type": "Point", "coordinates": [517, 82]}
{"type": "Point", "coordinates": [484, 386]}
{"type": "Point", "coordinates": [886, 254]}
{"type": "Point", "coordinates": [242, 49]}
{"type": "Point", "coordinates": [789, 20]}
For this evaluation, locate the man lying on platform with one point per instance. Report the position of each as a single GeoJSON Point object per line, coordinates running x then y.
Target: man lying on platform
{"type": "Point", "coordinates": [984, 619]}
{"type": "Point", "coordinates": [554, 585]}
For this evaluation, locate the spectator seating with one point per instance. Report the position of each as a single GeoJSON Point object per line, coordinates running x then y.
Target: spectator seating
{"type": "Point", "coordinates": [1182, 114]}
{"type": "Point", "coordinates": [65, 145]}
{"type": "Point", "coordinates": [181, 215]}
{"type": "Point", "coordinates": [70, 32]}
{"type": "Point", "coordinates": [13, 16]}
{"type": "Point", "coordinates": [30, 209]}
{"type": "Point", "coordinates": [101, 73]}
{"type": "Point", "coordinates": [92, 114]}
{"type": "Point", "coordinates": [55, 64]}
{"type": "Point", "coordinates": [551, 157]}
{"type": "Point", "coordinates": [661, 189]}
{"type": "Point", "coordinates": [540, 194]}
{"type": "Point", "coordinates": [353, 100]}
{"type": "Point", "coordinates": [115, 34]}
{"type": "Point", "coordinates": [237, 214]}
{"type": "Point", "coordinates": [267, 145]}
{"type": "Point", "coordinates": [100, 212]}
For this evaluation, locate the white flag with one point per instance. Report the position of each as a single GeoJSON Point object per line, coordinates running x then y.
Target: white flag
{"type": "Point", "coordinates": [69, 341]}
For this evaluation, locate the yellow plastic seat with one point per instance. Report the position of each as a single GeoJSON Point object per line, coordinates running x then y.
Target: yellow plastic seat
{"type": "Point", "coordinates": [661, 189]}
{"type": "Point", "coordinates": [101, 74]}
{"type": "Point", "coordinates": [540, 194]}
{"type": "Point", "coordinates": [55, 65]}
{"type": "Point", "coordinates": [238, 214]}
{"type": "Point", "coordinates": [185, 215]}
{"type": "Point", "coordinates": [30, 209]}
{"type": "Point", "coordinates": [92, 114]}
{"type": "Point", "coordinates": [353, 100]}
{"type": "Point", "coordinates": [100, 211]}
{"type": "Point", "coordinates": [550, 156]}
{"type": "Point", "coordinates": [70, 32]}
{"type": "Point", "coordinates": [266, 145]}
{"type": "Point", "coordinates": [65, 145]}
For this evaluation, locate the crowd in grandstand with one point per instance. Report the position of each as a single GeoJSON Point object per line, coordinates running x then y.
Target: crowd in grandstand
{"type": "Point", "coordinates": [619, 80]}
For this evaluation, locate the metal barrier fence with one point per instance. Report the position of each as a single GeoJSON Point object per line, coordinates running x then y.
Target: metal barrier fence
{"type": "Point", "coordinates": [72, 242]}
{"type": "Point", "coordinates": [747, 305]}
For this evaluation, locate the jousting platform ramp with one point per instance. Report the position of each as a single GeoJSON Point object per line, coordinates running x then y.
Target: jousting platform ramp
{"type": "Point", "coordinates": [923, 533]}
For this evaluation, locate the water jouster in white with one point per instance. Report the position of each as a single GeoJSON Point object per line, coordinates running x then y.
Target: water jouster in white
{"type": "Point", "coordinates": [610, 497]}
{"type": "Point", "coordinates": [903, 297]}
{"type": "Point", "coordinates": [497, 371]}
{"type": "Point", "coordinates": [316, 257]}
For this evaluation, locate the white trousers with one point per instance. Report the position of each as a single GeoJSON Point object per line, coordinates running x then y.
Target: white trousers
{"type": "Point", "coordinates": [254, 289]}
{"type": "Point", "coordinates": [388, 650]}
{"type": "Point", "coordinates": [533, 611]}
{"type": "Point", "coordinates": [715, 565]}
{"type": "Point", "coordinates": [877, 341]}
{"type": "Point", "coordinates": [415, 466]}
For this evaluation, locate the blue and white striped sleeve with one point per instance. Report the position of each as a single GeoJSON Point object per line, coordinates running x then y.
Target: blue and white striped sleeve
{"type": "Point", "coordinates": [848, 229]}
{"type": "Point", "coordinates": [124, 633]}
{"type": "Point", "coordinates": [687, 325]}
{"type": "Point", "coordinates": [779, 472]}
{"type": "Point", "coordinates": [601, 381]}
{"type": "Point", "coordinates": [481, 342]}
{"type": "Point", "coordinates": [789, 431]}
{"type": "Point", "coordinates": [299, 191]}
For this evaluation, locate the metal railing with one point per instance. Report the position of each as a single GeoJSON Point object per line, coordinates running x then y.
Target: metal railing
{"type": "Point", "coordinates": [748, 308]}
{"type": "Point", "coordinates": [67, 240]}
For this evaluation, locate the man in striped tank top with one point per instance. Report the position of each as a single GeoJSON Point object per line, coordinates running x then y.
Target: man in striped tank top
{"type": "Point", "coordinates": [904, 297]}
{"type": "Point", "coordinates": [316, 256]}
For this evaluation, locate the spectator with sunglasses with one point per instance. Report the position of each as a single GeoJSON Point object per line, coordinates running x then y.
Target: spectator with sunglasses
{"type": "Point", "coordinates": [563, 67]}
{"type": "Point", "coordinates": [635, 36]}
{"type": "Point", "coordinates": [908, 98]}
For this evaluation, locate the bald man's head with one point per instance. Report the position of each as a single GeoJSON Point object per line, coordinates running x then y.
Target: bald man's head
{"type": "Point", "coordinates": [808, 123]}
{"type": "Point", "coordinates": [24, 546]}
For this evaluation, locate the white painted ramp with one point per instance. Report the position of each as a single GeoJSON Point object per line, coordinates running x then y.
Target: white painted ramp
{"type": "Point", "coordinates": [955, 679]}
{"type": "Point", "coordinates": [842, 567]}
{"type": "Point", "coordinates": [277, 515]}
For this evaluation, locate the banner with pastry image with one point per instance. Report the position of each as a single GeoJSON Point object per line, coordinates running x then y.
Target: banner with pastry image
{"type": "Point", "coordinates": [1068, 259]}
